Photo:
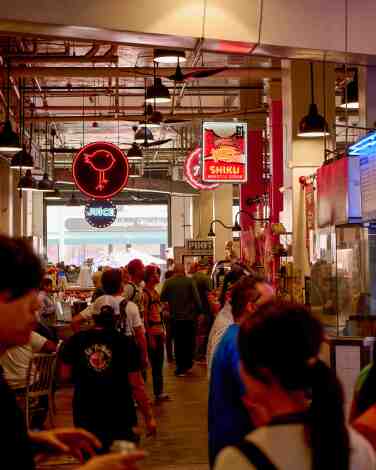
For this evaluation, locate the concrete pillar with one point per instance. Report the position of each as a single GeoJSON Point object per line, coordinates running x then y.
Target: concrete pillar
{"type": "Point", "coordinates": [302, 156]}
{"type": "Point", "coordinates": [6, 200]}
{"type": "Point", "coordinates": [223, 197]}
{"type": "Point", "coordinates": [181, 219]}
{"type": "Point", "coordinates": [37, 221]}
{"type": "Point", "coordinates": [203, 213]}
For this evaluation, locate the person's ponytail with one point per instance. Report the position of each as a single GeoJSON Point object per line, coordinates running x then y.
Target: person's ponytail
{"type": "Point", "coordinates": [329, 437]}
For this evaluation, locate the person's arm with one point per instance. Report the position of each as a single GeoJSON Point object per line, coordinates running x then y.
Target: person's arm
{"type": "Point", "coordinates": [142, 399]}
{"type": "Point", "coordinates": [81, 317]}
{"type": "Point", "coordinates": [164, 293]}
{"type": "Point", "coordinates": [49, 347]}
{"type": "Point", "coordinates": [196, 297]}
{"type": "Point", "coordinates": [139, 334]}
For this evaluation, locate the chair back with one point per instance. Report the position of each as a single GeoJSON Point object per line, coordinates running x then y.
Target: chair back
{"type": "Point", "coordinates": [40, 375]}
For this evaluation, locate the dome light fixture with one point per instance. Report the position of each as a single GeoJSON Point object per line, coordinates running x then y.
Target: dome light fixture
{"type": "Point", "coordinates": [157, 93]}
{"type": "Point", "coordinates": [46, 185]}
{"type": "Point", "coordinates": [135, 152]}
{"type": "Point", "coordinates": [169, 56]}
{"type": "Point", "coordinates": [27, 182]}
{"type": "Point", "coordinates": [313, 125]}
{"type": "Point", "coordinates": [143, 134]}
{"type": "Point", "coordinates": [22, 160]}
{"type": "Point", "coordinates": [74, 201]}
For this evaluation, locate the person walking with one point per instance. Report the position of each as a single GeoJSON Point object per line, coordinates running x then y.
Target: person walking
{"type": "Point", "coordinates": [155, 331]}
{"type": "Point", "coordinates": [184, 303]}
{"type": "Point", "coordinates": [133, 291]}
{"type": "Point", "coordinates": [296, 398]}
{"type": "Point", "coordinates": [105, 373]}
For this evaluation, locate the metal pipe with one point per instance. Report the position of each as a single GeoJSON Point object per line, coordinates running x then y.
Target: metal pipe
{"type": "Point", "coordinates": [217, 109]}
{"type": "Point", "coordinates": [138, 117]}
{"type": "Point", "coordinates": [255, 73]}
{"type": "Point", "coordinates": [61, 59]}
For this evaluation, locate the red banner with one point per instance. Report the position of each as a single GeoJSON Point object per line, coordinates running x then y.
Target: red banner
{"type": "Point", "coordinates": [225, 152]}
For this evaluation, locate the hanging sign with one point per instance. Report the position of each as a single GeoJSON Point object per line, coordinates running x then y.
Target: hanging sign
{"type": "Point", "coordinates": [100, 170]}
{"type": "Point", "coordinates": [193, 171]}
{"type": "Point", "coordinates": [100, 214]}
{"type": "Point", "coordinates": [224, 152]}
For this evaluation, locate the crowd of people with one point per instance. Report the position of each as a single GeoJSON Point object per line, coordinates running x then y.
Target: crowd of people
{"type": "Point", "coordinates": [272, 402]}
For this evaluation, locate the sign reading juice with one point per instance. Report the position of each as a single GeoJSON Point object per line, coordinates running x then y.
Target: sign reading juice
{"type": "Point", "coordinates": [224, 152]}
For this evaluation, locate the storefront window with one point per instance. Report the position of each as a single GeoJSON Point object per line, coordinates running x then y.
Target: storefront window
{"type": "Point", "coordinates": [139, 231]}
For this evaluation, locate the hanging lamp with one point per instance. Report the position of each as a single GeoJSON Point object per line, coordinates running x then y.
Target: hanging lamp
{"type": "Point", "coordinates": [313, 125]}
{"type": "Point", "coordinates": [143, 134]}
{"type": "Point", "coordinates": [74, 201]}
{"type": "Point", "coordinates": [350, 97]}
{"type": "Point", "coordinates": [9, 140]}
{"type": "Point", "coordinates": [27, 182]}
{"type": "Point", "coordinates": [168, 56]}
{"type": "Point", "coordinates": [157, 93]}
{"type": "Point", "coordinates": [135, 152]}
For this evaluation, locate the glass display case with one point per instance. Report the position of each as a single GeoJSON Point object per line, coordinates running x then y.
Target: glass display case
{"type": "Point", "coordinates": [342, 278]}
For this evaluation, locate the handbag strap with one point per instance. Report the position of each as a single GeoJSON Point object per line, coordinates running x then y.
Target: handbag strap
{"type": "Point", "coordinates": [255, 456]}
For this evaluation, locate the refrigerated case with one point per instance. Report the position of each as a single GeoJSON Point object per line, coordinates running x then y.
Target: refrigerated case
{"type": "Point", "coordinates": [343, 276]}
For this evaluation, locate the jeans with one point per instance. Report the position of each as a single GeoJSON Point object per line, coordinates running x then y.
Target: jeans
{"type": "Point", "coordinates": [156, 358]}
{"type": "Point", "coordinates": [184, 335]}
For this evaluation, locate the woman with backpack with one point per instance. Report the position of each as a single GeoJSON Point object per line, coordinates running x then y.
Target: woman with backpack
{"type": "Point", "coordinates": [155, 330]}
{"type": "Point", "coordinates": [294, 397]}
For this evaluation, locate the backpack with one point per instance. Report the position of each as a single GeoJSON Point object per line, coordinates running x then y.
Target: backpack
{"type": "Point", "coordinates": [255, 456]}
{"type": "Point", "coordinates": [133, 348]}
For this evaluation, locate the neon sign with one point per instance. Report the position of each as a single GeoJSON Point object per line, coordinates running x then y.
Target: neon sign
{"type": "Point", "coordinates": [193, 171]}
{"type": "Point", "coordinates": [100, 214]}
{"type": "Point", "coordinates": [100, 170]}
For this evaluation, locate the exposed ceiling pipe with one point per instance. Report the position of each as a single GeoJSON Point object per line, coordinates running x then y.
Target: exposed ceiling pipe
{"type": "Point", "coordinates": [93, 51]}
{"type": "Point", "coordinates": [255, 73]}
{"type": "Point", "coordinates": [137, 117]}
{"type": "Point", "coordinates": [213, 109]}
{"type": "Point", "coordinates": [57, 59]}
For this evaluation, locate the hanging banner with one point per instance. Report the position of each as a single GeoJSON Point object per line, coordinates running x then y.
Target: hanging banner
{"type": "Point", "coordinates": [224, 152]}
{"type": "Point", "coordinates": [100, 170]}
{"type": "Point", "coordinates": [100, 214]}
{"type": "Point", "coordinates": [193, 171]}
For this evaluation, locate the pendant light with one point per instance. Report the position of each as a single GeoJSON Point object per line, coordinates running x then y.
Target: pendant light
{"type": "Point", "coordinates": [23, 160]}
{"type": "Point", "coordinates": [135, 152]}
{"type": "Point", "coordinates": [313, 125]}
{"type": "Point", "coordinates": [143, 134]}
{"type": "Point", "coordinates": [27, 182]}
{"type": "Point", "coordinates": [9, 140]}
{"type": "Point", "coordinates": [157, 93]}
{"type": "Point", "coordinates": [74, 201]}
{"type": "Point", "coordinates": [168, 56]}
{"type": "Point", "coordinates": [350, 97]}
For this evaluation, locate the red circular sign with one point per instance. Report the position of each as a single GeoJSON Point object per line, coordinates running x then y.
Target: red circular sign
{"type": "Point", "coordinates": [193, 171]}
{"type": "Point", "coordinates": [100, 170]}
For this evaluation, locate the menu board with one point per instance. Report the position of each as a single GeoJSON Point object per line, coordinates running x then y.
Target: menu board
{"type": "Point", "coordinates": [368, 187]}
{"type": "Point", "coordinates": [224, 152]}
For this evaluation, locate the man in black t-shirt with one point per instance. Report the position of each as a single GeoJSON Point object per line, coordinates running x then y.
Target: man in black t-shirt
{"type": "Point", "coordinates": [105, 374]}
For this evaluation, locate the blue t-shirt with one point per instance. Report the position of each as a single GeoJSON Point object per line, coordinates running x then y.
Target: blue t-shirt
{"type": "Point", "coordinates": [228, 421]}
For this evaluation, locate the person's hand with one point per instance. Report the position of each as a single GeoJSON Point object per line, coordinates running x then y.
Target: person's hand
{"type": "Point", "coordinates": [74, 441]}
{"type": "Point", "coordinates": [116, 461]}
{"type": "Point", "coordinates": [151, 427]}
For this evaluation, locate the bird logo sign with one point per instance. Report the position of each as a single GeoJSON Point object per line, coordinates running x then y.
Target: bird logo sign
{"type": "Point", "coordinates": [100, 161]}
{"type": "Point", "coordinates": [100, 170]}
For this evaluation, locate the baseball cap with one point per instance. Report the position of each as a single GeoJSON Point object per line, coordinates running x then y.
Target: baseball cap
{"type": "Point", "coordinates": [106, 301]}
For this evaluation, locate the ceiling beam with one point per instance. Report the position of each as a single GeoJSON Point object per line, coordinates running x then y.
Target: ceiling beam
{"type": "Point", "coordinates": [140, 109]}
{"type": "Point", "coordinates": [137, 117]}
{"type": "Point", "coordinates": [64, 175]}
{"type": "Point", "coordinates": [61, 59]}
{"type": "Point", "coordinates": [255, 73]}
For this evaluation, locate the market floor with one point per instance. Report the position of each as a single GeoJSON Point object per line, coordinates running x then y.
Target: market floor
{"type": "Point", "coordinates": [181, 442]}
